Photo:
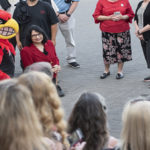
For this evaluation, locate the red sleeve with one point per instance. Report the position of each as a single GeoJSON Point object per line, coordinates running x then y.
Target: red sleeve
{"type": "Point", "coordinates": [52, 53]}
{"type": "Point", "coordinates": [129, 12]}
{"type": "Point", "coordinates": [98, 11]}
{"type": "Point", "coordinates": [26, 57]}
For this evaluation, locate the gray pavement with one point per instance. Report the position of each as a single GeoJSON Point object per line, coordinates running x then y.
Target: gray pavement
{"type": "Point", "coordinates": [89, 51]}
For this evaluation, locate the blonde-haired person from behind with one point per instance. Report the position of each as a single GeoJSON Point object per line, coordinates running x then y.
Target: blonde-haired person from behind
{"type": "Point", "coordinates": [47, 104]}
{"type": "Point", "coordinates": [20, 128]}
{"type": "Point", "coordinates": [136, 125]}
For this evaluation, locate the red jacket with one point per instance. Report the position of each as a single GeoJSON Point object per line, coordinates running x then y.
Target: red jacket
{"type": "Point", "coordinates": [31, 54]}
{"type": "Point", "coordinates": [106, 8]}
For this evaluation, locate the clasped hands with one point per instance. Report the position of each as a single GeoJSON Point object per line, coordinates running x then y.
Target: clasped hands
{"type": "Point", "coordinates": [139, 35]}
{"type": "Point", "coordinates": [117, 17]}
{"type": "Point", "coordinates": [56, 68]}
{"type": "Point", "coordinates": [63, 18]}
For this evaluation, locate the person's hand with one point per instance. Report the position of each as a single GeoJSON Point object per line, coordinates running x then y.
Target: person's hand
{"type": "Point", "coordinates": [78, 146]}
{"type": "Point", "coordinates": [54, 42]}
{"type": "Point", "coordinates": [63, 18]}
{"type": "Point", "coordinates": [56, 68]}
{"type": "Point", "coordinates": [141, 37]}
{"type": "Point", "coordinates": [19, 45]}
{"type": "Point", "coordinates": [136, 32]}
{"type": "Point", "coordinates": [117, 17]}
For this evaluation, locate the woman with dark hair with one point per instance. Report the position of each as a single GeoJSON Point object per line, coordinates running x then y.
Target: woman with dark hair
{"type": "Point", "coordinates": [142, 29]}
{"type": "Point", "coordinates": [89, 115]}
{"type": "Point", "coordinates": [39, 49]}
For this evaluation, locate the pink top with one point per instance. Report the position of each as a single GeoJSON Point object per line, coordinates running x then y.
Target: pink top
{"type": "Point", "coordinates": [107, 8]}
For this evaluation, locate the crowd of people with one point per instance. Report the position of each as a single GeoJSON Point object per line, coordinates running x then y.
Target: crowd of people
{"type": "Point", "coordinates": [31, 114]}
{"type": "Point", "coordinates": [113, 16]}
{"type": "Point", "coordinates": [31, 117]}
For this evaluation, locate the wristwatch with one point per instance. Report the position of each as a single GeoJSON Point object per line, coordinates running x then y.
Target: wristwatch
{"type": "Point", "coordinates": [68, 15]}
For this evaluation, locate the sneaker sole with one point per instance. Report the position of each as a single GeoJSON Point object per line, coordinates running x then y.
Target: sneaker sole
{"type": "Point", "coordinates": [146, 80]}
{"type": "Point", "coordinates": [74, 67]}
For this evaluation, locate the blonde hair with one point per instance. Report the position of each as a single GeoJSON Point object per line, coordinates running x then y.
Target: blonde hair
{"type": "Point", "coordinates": [136, 125]}
{"type": "Point", "coordinates": [46, 101]}
{"type": "Point", "coordinates": [20, 128]}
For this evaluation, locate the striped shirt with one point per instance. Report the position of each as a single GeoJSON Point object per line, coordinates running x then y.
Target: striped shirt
{"type": "Point", "coordinates": [62, 6]}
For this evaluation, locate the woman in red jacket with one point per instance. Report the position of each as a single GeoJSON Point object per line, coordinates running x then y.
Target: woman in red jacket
{"type": "Point", "coordinates": [114, 17]}
{"type": "Point", "coordinates": [39, 49]}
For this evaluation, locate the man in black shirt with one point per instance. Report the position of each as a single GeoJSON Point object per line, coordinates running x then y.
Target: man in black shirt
{"type": "Point", "coordinates": [35, 12]}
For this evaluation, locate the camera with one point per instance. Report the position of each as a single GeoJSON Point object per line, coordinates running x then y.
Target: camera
{"type": "Point", "coordinates": [75, 137]}
{"type": "Point", "coordinates": [68, 1]}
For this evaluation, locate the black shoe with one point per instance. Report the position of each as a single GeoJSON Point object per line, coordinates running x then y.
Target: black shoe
{"type": "Point", "coordinates": [74, 65]}
{"type": "Point", "coordinates": [105, 75]}
{"type": "Point", "coordinates": [59, 91]}
{"type": "Point", "coordinates": [147, 79]}
{"type": "Point", "coordinates": [119, 76]}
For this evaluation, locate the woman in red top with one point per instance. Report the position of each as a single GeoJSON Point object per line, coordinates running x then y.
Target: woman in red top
{"type": "Point", "coordinates": [114, 17]}
{"type": "Point", "coordinates": [39, 49]}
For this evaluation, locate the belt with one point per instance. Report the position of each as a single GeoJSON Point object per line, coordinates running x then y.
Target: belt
{"type": "Point", "coordinates": [63, 12]}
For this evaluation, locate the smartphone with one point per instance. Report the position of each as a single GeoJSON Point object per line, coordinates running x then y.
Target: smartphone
{"type": "Point", "coordinates": [75, 137]}
{"type": "Point", "coordinates": [117, 13]}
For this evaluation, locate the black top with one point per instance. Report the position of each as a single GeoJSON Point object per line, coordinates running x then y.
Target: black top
{"type": "Point", "coordinates": [7, 65]}
{"type": "Point", "coordinates": [48, 1]}
{"type": "Point", "coordinates": [42, 14]}
{"type": "Point", "coordinates": [146, 19]}
{"type": "Point", "coordinates": [5, 4]}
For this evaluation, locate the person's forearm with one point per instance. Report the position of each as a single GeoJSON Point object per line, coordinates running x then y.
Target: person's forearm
{"type": "Point", "coordinates": [136, 25]}
{"type": "Point", "coordinates": [17, 37]}
{"type": "Point", "coordinates": [53, 31]}
{"type": "Point", "coordinates": [144, 29]}
{"type": "Point", "coordinates": [72, 7]}
{"type": "Point", "coordinates": [101, 18]}
{"type": "Point", "coordinates": [125, 17]}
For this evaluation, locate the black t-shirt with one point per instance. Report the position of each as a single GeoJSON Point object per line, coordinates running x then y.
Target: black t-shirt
{"type": "Point", "coordinates": [42, 14]}
{"type": "Point", "coordinates": [48, 1]}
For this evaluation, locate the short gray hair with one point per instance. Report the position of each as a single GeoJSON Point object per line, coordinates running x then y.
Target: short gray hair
{"type": "Point", "coordinates": [41, 67]}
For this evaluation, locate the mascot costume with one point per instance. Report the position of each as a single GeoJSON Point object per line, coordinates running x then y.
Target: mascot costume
{"type": "Point", "coordinates": [8, 29]}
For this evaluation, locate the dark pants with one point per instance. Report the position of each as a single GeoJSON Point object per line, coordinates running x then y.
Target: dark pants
{"type": "Point", "coordinates": [146, 50]}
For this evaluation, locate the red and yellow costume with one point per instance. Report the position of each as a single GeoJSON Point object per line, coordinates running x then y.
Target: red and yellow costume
{"type": "Point", "coordinates": [8, 29]}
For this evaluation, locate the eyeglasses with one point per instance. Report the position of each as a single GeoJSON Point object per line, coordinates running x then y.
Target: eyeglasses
{"type": "Point", "coordinates": [34, 36]}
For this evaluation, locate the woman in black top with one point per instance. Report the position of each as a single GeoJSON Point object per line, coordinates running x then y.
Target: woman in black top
{"type": "Point", "coordinates": [142, 26]}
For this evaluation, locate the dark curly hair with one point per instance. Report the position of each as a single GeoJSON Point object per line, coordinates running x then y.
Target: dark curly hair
{"type": "Point", "coordinates": [89, 114]}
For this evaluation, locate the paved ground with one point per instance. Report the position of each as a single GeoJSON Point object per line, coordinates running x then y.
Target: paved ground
{"type": "Point", "coordinates": [74, 82]}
